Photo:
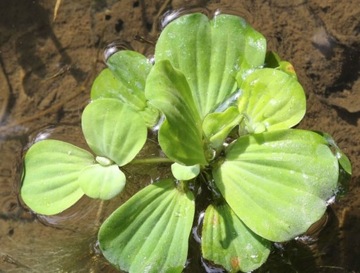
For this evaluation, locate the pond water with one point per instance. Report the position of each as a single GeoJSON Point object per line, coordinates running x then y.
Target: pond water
{"type": "Point", "coordinates": [49, 59]}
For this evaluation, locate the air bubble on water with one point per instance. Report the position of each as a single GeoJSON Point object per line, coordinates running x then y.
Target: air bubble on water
{"type": "Point", "coordinates": [171, 15]}
{"type": "Point", "coordinates": [151, 59]}
{"type": "Point", "coordinates": [96, 248]}
{"type": "Point", "coordinates": [158, 124]}
{"type": "Point", "coordinates": [210, 268]}
{"type": "Point", "coordinates": [306, 239]}
{"type": "Point", "coordinates": [195, 230]}
{"type": "Point", "coordinates": [43, 134]}
{"type": "Point", "coordinates": [114, 47]}
{"type": "Point", "coordinates": [331, 200]}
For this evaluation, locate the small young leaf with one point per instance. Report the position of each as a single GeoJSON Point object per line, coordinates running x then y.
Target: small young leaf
{"type": "Point", "coordinates": [50, 178]}
{"type": "Point", "coordinates": [278, 183]}
{"type": "Point", "coordinates": [180, 136]}
{"type": "Point", "coordinates": [211, 53]}
{"type": "Point", "coordinates": [103, 182]}
{"type": "Point", "coordinates": [114, 130]}
{"type": "Point", "coordinates": [150, 232]}
{"type": "Point", "coordinates": [271, 100]}
{"type": "Point", "coordinates": [181, 172]}
{"type": "Point", "coordinates": [218, 125]}
{"type": "Point", "coordinates": [228, 242]}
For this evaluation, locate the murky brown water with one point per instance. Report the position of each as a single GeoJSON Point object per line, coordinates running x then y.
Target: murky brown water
{"type": "Point", "coordinates": [46, 70]}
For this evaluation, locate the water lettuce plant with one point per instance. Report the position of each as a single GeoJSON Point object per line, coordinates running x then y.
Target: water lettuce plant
{"type": "Point", "coordinates": [223, 110]}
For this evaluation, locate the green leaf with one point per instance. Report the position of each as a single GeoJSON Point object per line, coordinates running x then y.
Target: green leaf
{"type": "Point", "coordinates": [271, 100]}
{"type": "Point", "coordinates": [218, 125]}
{"type": "Point", "coordinates": [50, 178]}
{"type": "Point", "coordinates": [180, 136]}
{"type": "Point", "coordinates": [181, 172]}
{"type": "Point", "coordinates": [278, 183]}
{"type": "Point", "coordinates": [211, 53]}
{"type": "Point", "coordinates": [124, 79]}
{"type": "Point", "coordinates": [150, 232]}
{"type": "Point", "coordinates": [114, 130]}
{"type": "Point", "coordinates": [226, 241]}
{"type": "Point", "coordinates": [103, 182]}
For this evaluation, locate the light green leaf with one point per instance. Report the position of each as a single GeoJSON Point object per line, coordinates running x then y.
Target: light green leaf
{"type": "Point", "coordinates": [218, 125]}
{"type": "Point", "coordinates": [226, 241]}
{"type": "Point", "coordinates": [271, 100]}
{"type": "Point", "coordinates": [211, 53]}
{"type": "Point", "coordinates": [150, 232]}
{"type": "Point", "coordinates": [50, 179]}
{"type": "Point", "coordinates": [278, 183]}
{"type": "Point", "coordinates": [114, 130]}
{"type": "Point", "coordinates": [103, 182]}
{"type": "Point", "coordinates": [180, 136]}
{"type": "Point", "coordinates": [124, 79]}
{"type": "Point", "coordinates": [181, 172]}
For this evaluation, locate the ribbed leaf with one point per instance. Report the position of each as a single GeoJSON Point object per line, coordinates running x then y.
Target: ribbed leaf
{"type": "Point", "coordinates": [278, 183]}
{"type": "Point", "coordinates": [180, 136]}
{"type": "Point", "coordinates": [271, 99]}
{"type": "Point", "coordinates": [50, 178]}
{"type": "Point", "coordinates": [103, 182]}
{"type": "Point", "coordinates": [114, 130]}
{"type": "Point", "coordinates": [124, 79]}
{"type": "Point", "coordinates": [211, 53]}
{"type": "Point", "coordinates": [226, 241]}
{"type": "Point", "coordinates": [149, 233]}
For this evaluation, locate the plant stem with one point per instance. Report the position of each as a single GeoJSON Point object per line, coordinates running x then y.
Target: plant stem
{"type": "Point", "coordinates": [153, 160]}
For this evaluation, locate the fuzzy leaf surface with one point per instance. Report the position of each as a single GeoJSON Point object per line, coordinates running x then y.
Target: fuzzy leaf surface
{"type": "Point", "coordinates": [50, 178]}
{"type": "Point", "coordinates": [271, 99]}
{"type": "Point", "coordinates": [149, 233]}
{"type": "Point", "coordinates": [114, 130]}
{"type": "Point", "coordinates": [211, 54]}
{"type": "Point", "coordinates": [278, 183]}
{"type": "Point", "coordinates": [226, 241]}
{"type": "Point", "coordinates": [180, 136]}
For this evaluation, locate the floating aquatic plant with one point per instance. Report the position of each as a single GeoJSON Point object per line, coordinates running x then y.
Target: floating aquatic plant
{"type": "Point", "coordinates": [226, 109]}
